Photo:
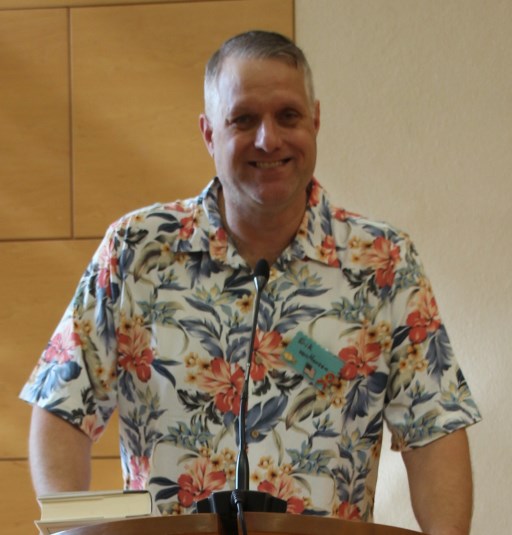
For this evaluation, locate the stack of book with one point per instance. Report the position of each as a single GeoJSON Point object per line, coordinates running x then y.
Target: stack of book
{"type": "Point", "coordinates": [66, 510]}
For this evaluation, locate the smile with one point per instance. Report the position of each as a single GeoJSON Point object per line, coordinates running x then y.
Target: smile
{"type": "Point", "coordinates": [269, 165]}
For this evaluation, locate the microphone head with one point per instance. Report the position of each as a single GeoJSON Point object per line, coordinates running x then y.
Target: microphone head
{"type": "Point", "coordinates": [261, 274]}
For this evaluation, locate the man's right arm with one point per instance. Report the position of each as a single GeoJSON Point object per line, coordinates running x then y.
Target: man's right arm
{"type": "Point", "coordinates": [59, 454]}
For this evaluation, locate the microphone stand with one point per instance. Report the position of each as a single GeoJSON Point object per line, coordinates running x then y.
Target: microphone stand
{"type": "Point", "coordinates": [224, 503]}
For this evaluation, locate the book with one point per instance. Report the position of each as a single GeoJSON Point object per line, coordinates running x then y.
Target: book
{"type": "Point", "coordinates": [66, 510]}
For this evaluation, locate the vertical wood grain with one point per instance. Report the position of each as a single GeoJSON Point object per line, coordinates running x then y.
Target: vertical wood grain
{"type": "Point", "coordinates": [34, 125]}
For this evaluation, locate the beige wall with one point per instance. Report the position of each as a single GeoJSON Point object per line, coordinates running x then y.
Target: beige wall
{"type": "Point", "coordinates": [99, 114]}
{"type": "Point", "coordinates": [417, 130]}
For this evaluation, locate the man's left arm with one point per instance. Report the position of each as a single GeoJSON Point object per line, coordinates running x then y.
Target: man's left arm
{"type": "Point", "coordinates": [440, 483]}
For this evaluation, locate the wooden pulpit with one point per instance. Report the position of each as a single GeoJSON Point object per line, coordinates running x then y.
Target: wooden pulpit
{"type": "Point", "coordinates": [257, 524]}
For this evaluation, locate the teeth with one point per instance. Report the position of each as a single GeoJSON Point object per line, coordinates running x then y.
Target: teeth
{"type": "Point", "coordinates": [269, 165]}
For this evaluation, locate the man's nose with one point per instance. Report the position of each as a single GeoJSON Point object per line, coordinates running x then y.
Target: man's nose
{"type": "Point", "coordinates": [268, 135]}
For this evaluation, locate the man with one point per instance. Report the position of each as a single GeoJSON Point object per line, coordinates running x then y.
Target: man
{"type": "Point", "coordinates": [159, 328]}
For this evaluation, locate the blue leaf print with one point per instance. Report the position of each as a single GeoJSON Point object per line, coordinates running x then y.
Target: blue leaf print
{"type": "Point", "coordinates": [171, 223]}
{"type": "Point", "coordinates": [132, 236]}
{"type": "Point", "coordinates": [125, 261]}
{"type": "Point", "coordinates": [308, 292]}
{"type": "Point", "coordinates": [238, 349]}
{"type": "Point", "coordinates": [358, 397]}
{"type": "Point", "coordinates": [325, 217]}
{"type": "Point", "coordinates": [374, 428]}
{"type": "Point", "coordinates": [374, 231]}
{"type": "Point", "coordinates": [54, 377]}
{"type": "Point", "coordinates": [377, 382]}
{"type": "Point", "coordinates": [160, 366]}
{"type": "Point", "coordinates": [200, 265]}
{"type": "Point", "coordinates": [127, 386]}
{"type": "Point", "coordinates": [261, 420]}
{"type": "Point", "coordinates": [170, 490]}
{"type": "Point", "coordinates": [399, 335]}
{"type": "Point", "coordinates": [237, 280]}
{"type": "Point", "coordinates": [201, 305]}
{"type": "Point", "coordinates": [291, 316]}
{"type": "Point", "coordinates": [439, 353]}
{"type": "Point", "coordinates": [207, 334]}
{"type": "Point", "coordinates": [105, 320]}
{"type": "Point", "coordinates": [265, 319]}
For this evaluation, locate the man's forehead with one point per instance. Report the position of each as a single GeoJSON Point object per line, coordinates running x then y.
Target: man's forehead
{"type": "Point", "coordinates": [244, 74]}
{"type": "Point", "coordinates": [247, 64]}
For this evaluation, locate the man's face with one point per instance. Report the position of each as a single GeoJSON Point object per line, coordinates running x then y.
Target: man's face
{"type": "Point", "coordinates": [262, 134]}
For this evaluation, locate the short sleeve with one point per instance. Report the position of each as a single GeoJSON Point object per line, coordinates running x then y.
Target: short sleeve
{"type": "Point", "coordinates": [75, 376]}
{"type": "Point", "coordinates": [427, 394]}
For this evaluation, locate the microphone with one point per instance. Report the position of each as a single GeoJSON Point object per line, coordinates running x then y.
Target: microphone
{"type": "Point", "coordinates": [241, 498]}
{"type": "Point", "coordinates": [260, 277]}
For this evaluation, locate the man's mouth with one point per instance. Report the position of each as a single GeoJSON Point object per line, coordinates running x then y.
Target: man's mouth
{"type": "Point", "coordinates": [270, 165]}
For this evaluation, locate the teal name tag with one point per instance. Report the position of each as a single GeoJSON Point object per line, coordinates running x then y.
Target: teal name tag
{"type": "Point", "coordinates": [311, 360]}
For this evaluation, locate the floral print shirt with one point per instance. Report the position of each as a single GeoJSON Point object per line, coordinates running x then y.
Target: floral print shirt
{"type": "Point", "coordinates": [159, 328]}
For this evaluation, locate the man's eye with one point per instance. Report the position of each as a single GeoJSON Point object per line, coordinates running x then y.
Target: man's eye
{"type": "Point", "coordinates": [289, 117]}
{"type": "Point", "coordinates": [243, 121]}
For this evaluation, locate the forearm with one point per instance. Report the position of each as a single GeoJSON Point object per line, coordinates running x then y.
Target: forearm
{"type": "Point", "coordinates": [441, 486]}
{"type": "Point", "coordinates": [59, 454]}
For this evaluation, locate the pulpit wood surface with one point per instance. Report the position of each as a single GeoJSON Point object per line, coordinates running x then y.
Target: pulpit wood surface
{"type": "Point", "coordinates": [257, 524]}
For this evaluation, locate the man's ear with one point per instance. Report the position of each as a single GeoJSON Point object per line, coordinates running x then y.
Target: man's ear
{"type": "Point", "coordinates": [316, 115]}
{"type": "Point", "coordinates": [207, 132]}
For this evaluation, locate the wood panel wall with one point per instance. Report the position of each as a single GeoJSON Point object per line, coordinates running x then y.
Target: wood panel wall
{"type": "Point", "coordinates": [99, 110]}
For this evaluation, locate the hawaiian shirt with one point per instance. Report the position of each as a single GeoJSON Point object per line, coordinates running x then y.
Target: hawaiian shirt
{"type": "Point", "coordinates": [159, 329]}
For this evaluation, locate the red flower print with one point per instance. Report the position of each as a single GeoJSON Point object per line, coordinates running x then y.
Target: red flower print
{"type": "Point", "coordinates": [90, 428]}
{"type": "Point", "coordinates": [199, 482]}
{"type": "Point", "coordinates": [61, 345]}
{"type": "Point", "coordinates": [187, 227]}
{"type": "Point", "coordinates": [268, 347]}
{"type": "Point", "coordinates": [218, 244]}
{"type": "Point", "coordinates": [327, 251]}
{"type": "Point", "coordinates": [107, 264]}
{"type": "Point", "coordinates": [175, 206]}
{"type": "Point", "coordinates": [283, 486]}
{"type": "Point", "coordinates": [135, 353]}
{"type": "Point", "coordinates": [314, 193]}
{"type": "Point", "coordinates": [348, 511]}
{"type": "Point", "coordinates": [342, 215]}
{"type": "Point", "coordinates": [218, 379]}
{"type": "Point", "coordinates": [139, 471]}
{"type": "Point", "coordinates": [425, 319]}
{"type": "Point", "coordinates": [382, 256]}
{"type": "Point", "coordinates": [360, 358]}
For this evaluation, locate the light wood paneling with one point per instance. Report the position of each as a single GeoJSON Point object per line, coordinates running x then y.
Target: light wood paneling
{"type": "Point", "coordinates": [24, 4]}
{"type": "Point", "coordinates": [137, 78]}
{"type": "Point", "coordinates": [38, 280]}
{"type": "Point", "coordinates": [18, 505]}
{"type": "Point", "coordinates": [34, 125]}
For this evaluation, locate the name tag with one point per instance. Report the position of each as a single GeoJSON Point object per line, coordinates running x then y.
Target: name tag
{"type": "Point", "coordinates": [311, 360]}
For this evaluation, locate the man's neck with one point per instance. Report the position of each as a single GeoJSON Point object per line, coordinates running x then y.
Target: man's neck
{"type": "Point", "coordinates": [260, 234]}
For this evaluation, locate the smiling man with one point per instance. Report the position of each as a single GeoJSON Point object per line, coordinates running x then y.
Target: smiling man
{"type": "Point", "coordinates": [260, 127]}
{"type": "Point", "coordinates": [349, 335]}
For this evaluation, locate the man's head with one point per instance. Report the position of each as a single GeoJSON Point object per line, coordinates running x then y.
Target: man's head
{"type": "Point", "coordinates": [261, 123]}
{"type": "Point", "coordinates": [254, 44]}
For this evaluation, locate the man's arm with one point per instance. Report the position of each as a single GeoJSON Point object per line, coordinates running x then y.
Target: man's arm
{"type": "Point", "coordinates": [440, 483]}
{"type": "Point", "coordinates": [59, 454]}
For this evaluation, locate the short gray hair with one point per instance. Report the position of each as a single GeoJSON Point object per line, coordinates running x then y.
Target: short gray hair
{"type": "Point", "coordinates": [255, 44]}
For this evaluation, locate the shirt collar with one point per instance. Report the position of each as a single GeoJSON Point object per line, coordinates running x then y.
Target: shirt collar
{"type": "Point", "coordinates": [313, 241]}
